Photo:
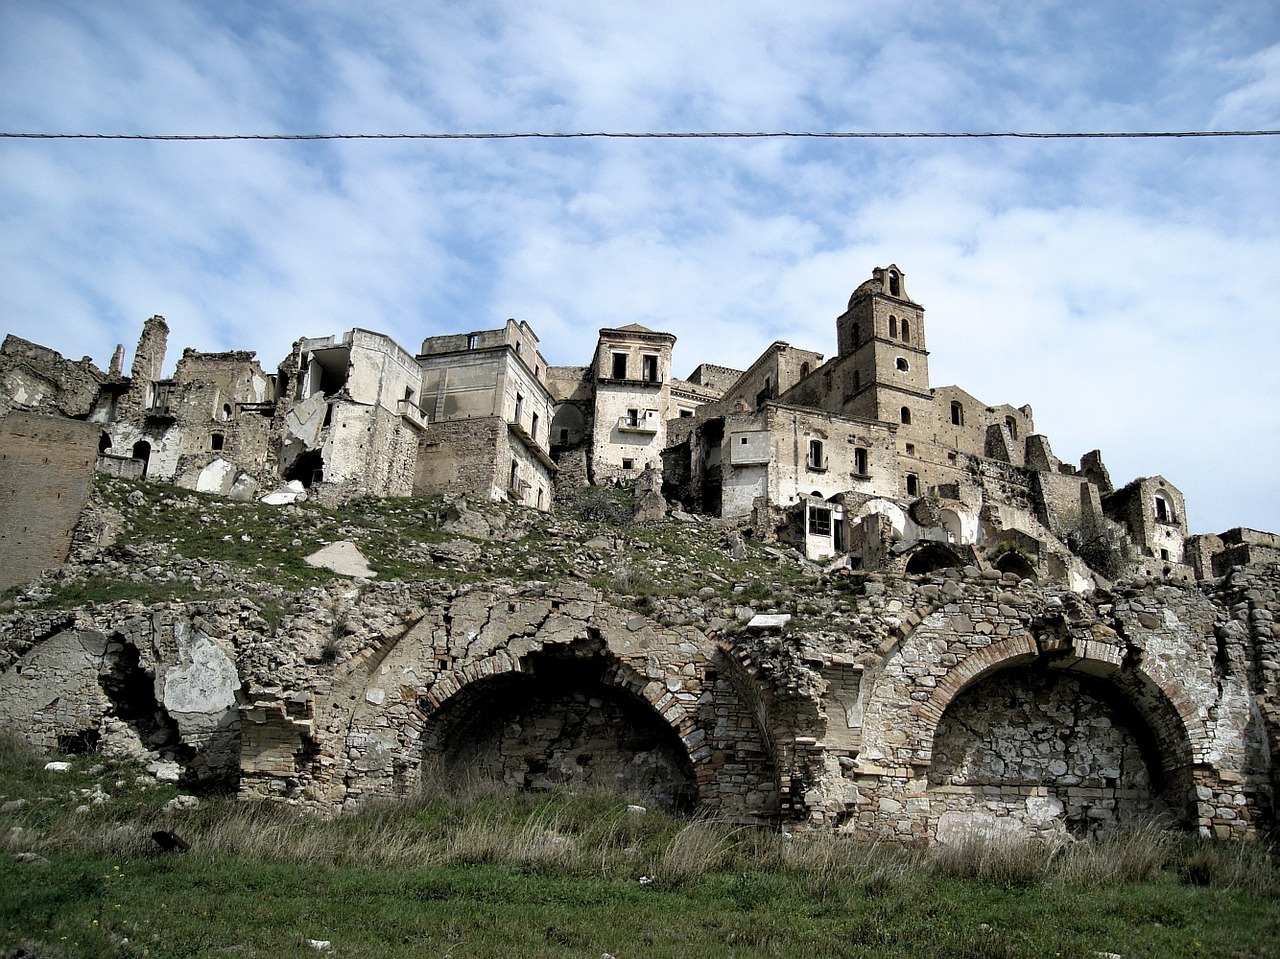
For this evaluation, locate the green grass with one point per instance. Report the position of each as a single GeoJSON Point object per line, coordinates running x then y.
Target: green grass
{"type": "Point", "coordinates": [474, 872]}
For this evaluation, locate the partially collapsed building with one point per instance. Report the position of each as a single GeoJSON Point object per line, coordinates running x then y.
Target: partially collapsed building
{"type": "Point", "coordinates": [857, 459]}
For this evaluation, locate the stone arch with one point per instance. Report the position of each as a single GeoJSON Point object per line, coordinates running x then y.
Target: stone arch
{"type": "Point", "coordinates": [947, 647]}
{"type": "Point", "coordinates": [566, 714]}
{"type": "Point", "coordinates": [1177, 728]}
{"type": "Point", "coordinates": [930, 556]}
{"type": "Point", "coordinates": [1116, 698]}
{"type": "Point", "coordinates": [568, 425]}
{"type": "Point", "coordinates": [1029, 749]}
{"type": "Point", "coordinates": [1017, 564]}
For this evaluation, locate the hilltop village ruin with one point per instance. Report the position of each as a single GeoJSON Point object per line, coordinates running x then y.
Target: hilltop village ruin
{"type": "Point", "coordinates": [1030, 647]}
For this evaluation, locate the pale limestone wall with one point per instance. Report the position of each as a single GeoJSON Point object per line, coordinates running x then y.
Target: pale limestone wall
{"type": "Point", "coordinates": [157, 685]}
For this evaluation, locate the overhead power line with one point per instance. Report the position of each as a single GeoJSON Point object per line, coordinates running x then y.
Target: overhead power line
{"type": "Point", "coordinates": [705, 135]}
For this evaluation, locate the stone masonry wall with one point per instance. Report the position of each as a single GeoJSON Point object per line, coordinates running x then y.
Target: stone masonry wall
{"type": "Point", "coordinates": [46, 471]}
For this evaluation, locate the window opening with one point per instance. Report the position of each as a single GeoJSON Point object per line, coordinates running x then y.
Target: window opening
{"type": "Point", "coordinates": [515, 475]}
{"type": "Point", "coordinates": [857, 380]}
{"type": "Point", "coordinates": [628, 464]}
{"type": "Point", "coordinates": [817, 461]}
{"type": "Point", "coordinates": [1164, 511]}
{"type": "Point", "coordinates": [906, 329]}
{"type": "Point", "coordinates": [819, 521]}
{"type": "Point", "coordinates": [215, 441]}
{"type": "Point", "coordinates": [519, 407]}
{"type": "Point", "coordinates": [902, 364]}
{"type": "Point", "coordinates": [860, 461]}
{"type": "Point", "coordinates": [893, 326]}
{"type": "Point", "coordinates": [906, 415]}
{"type": "Point", "coordinates": [564, 436]}
{"type": "Point", "coordinates": [226, 412]}
{"type": "Point", "coordinates": [619, 366]}
{"type": "Point", "coordinates": [913, 484]}
{"type": "Point", "coordinates": [633, 417]}
{"type": "Point", "coordinates": [957, 414]}
{"type": "Point", "coordinates": [857, 334]}
{"type": "Point", "coordinates": [473, 340]}
{"type": "Point", "coordinates": [911, 449]}
{"type": "Point", "coordinates": [539, 497]}
{"type": "Point", "coordinates": [649, 368]}
{"type": "Point", "coordinates": [893, 283]}
{"type": "Point", "coordinates": [533, 427]}
{"type": "Point", "coordinates": [804, 370]}
{"type": "Point", "coordinates": [104, 444]}
{"type": "Point", "coordinates": [1012, 426]}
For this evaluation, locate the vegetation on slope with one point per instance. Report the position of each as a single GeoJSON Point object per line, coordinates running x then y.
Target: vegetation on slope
{"type": "Point", "coordinates": [471, 873]}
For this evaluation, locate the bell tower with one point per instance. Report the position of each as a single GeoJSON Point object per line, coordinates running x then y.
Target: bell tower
{"type": "Point", "coordinates": [881, 337]}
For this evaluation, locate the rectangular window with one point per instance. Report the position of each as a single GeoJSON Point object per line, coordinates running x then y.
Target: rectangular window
{"type": "Point", "coordinates": [514, 481]}
{"type": "Point", "coordinates": [628, 464]}
{"type": "Point", "coordinates": [649, 368]}
{"type": "Point", "coordinates": [533, 427]}
{"type": "Point", "coordinates": [473, 341]}
{"type": "Point", "coordinates": [215, 441]}
{"type": "Point", "coordinates": [860, 461]}
{"type": "Point", "coordinates": [816, 461]}
{"type": "Point", "coordinates": [519, 407]}
{"type": "Point", "coordinates": [619, 366]}
{"type": "Point", "coordinates": [819, 521]}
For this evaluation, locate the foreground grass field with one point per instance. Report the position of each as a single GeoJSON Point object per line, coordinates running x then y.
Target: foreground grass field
{"type": "Point", "coordinates": [480, 874]}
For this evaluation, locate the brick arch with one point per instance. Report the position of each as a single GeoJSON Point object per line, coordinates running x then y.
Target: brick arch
{"type": "Point", "coordinates": [462, 695]}
{"type": "Point", "coordinates": [1164, 706]}
{"type": "Point", "coordinates": [450, 685]}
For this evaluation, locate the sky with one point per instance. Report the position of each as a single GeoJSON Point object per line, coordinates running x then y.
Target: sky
{"type": "Point", "coordinates": [1126, 289]}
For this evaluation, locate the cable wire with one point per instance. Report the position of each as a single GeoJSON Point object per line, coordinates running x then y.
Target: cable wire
{"type": "Point", "coordinates": [764, 135]}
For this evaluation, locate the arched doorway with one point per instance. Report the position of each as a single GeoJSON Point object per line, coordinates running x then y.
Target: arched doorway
{"type": "Point", "coordinates": [560, 722]}
{"type": "Point", "coordinates": [1017, 564]}
{"type": "Point", "coordinates": [933, 556]}
{"type": "Point", "coordinates": [142, 452]}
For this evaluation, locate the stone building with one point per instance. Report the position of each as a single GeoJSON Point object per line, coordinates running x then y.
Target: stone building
{"type": "Point", "coordinates": [861, 454]}
{"type": "Point", "coordinates": [486, 397]}
{"type": "Point", "coordinates": [856, 456]}
{"type": "Point", "coordinates": [348, 416]}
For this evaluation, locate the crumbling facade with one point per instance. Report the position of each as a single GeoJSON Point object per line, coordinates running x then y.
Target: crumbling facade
{"type": "Point", "coordinates": [856, 459]}
{"type": "Point", "coordinates": [980, 670]}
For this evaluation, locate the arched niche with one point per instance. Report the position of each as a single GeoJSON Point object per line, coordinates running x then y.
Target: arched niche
{"type": "Point", "coordinates": [562, 720]}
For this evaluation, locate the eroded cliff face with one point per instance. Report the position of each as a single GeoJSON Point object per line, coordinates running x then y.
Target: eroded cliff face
{"type": "Point", "coordinates": [911, 708]}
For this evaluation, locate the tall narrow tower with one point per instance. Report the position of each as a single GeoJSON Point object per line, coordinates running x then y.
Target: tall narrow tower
{"type": "Point", "coordinates": [883, 333]}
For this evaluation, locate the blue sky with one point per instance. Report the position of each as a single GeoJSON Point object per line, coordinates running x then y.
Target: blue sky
{"type": "Point", "coordinates": [1127, 290]}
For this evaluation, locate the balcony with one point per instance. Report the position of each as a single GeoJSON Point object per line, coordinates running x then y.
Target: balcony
{"type": "Point", "coordinates": [412, 412]}
{"type": "Point", "coordinates": [639, 424]}
{"type": "Point", "coordinates": [517, 491]}
{"type": "Point", "coordinates": [654, 383]}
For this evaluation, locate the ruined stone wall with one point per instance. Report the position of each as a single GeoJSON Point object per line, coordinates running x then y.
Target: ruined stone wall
{"type": "Point", "coordinates": [526, 687]}
{"type": "Point", "coordinates": [158, 685]}
{"type": "Point", "coordinates": [39, 380]}
{"type": "Point", "coordinates": [46, 472]}
{"type": "Point", "coordinates": [459, 456]}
